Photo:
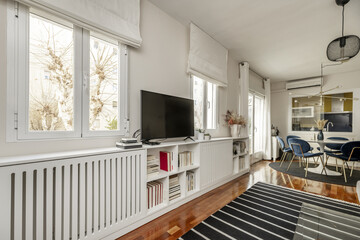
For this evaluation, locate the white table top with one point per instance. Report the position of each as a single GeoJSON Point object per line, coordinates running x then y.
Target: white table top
{"type": "Point", "coordinates": [326, 141]}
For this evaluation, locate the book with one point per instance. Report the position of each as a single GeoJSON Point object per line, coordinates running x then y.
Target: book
{"type": "Point", "coordinates": [166, 161]}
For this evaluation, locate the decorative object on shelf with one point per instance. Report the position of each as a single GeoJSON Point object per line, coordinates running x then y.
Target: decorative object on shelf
{"type": "Point", "coordinates": [200, 134]}
{"type": "Point", "coordinates": [207, 136]}
{"type": "Point", "coordinates": [274, 130]}
{"type": "Point", "coordinates": [320, 125]}
{"type": "Point", "coordinates": [343, 48]}
{"type": "Point", "coordinates": [236, 123]}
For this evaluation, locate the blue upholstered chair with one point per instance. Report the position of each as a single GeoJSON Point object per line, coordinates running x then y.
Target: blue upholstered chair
{"type": "Point", "coordinates": [284, 149]}
{"type": "Point", "coordinates": [288, 137]}
{"type": "Point", "coordinates": [350, 151]}
{"type": "Point", "coordinates": [301, 149]}
{"type": "Point", "coordinates": [294, 136]}
{"type": "Point", "coordinates": [333, 148]}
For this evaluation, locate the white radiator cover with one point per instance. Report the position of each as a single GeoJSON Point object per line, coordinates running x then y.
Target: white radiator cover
{"type": "Point", "coordinates": [77, 198]}
{"type": "Point", "coordinates": [215, 161]}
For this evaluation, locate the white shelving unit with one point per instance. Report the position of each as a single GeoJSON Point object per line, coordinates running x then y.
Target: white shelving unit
{"type": "Point", "coordinates": [241, 157]}
{"type": "Point", "coordinates": [175, 148]}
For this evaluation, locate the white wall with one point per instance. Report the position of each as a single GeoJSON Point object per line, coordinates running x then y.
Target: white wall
{"type": "Point", "coordinates": [280, 102]}
{"type": "Point", "coordinates": [159, 65]}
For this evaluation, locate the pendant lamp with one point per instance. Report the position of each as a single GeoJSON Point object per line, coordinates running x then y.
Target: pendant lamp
{"type": "Point", "coordinates": [345, 47]}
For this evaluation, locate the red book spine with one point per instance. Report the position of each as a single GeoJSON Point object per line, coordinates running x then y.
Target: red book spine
{"type": "Point", "coordinates": [164, 161]}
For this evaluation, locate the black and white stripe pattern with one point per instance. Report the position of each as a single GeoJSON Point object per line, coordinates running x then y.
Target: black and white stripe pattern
{"type": "Point", "coordinates": [266, 211]}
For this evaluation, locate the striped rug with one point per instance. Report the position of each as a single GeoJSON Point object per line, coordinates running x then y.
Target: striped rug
{"type": "Point", "coordinates": [268, 211]}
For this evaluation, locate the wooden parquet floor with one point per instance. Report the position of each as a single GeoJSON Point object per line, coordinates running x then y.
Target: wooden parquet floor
{"type": "Point", "coordinates": [177, 222]}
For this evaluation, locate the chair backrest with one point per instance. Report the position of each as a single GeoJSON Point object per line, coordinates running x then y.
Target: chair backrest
{"type": "Point", "coordinates": [281, 142]}
{"type": "Point", "coordinates": [335, 146]}
{"type": "Point", "coordinates": [347, 148]}
{"type": "Point", "coordinates": [299, 146]}
{"type": "Point", "coordinates": [290, 137]}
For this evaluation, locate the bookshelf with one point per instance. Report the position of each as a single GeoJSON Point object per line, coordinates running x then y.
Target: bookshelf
{"type": "Point", "coordinates": [241, 157]}
{"type": "Point", "coordinates": [199, 166]}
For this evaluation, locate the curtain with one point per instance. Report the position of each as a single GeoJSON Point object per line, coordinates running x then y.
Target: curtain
{"type": "Point", "coordinates": [267, 122]}
{"type": "Point", "coordinates": [244, 93]}
{"type": "Point", "coordinates": [120, 18]}
{"type": "Point", "coordinates": [207, 58]}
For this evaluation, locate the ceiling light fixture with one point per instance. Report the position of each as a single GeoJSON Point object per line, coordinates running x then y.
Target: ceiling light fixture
{"type": "Point", "coordinates": [345, 47]}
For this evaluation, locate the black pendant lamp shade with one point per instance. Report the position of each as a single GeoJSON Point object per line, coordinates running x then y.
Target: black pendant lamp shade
{"type": "Point", "coordinates": [345, 47]}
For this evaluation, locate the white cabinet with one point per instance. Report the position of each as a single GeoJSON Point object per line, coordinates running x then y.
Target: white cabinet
{"type": "Point", "coordinates": [216, 162]}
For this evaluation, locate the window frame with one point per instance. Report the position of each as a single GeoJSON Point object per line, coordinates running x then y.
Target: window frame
{"type": "Point", "coordinates": [205, 102]}
{"type": "Point", "coordinates": [18, 80]}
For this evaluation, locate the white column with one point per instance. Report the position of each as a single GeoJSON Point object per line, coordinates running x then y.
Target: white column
{"type": "Point", "coordinates": [244, 92]}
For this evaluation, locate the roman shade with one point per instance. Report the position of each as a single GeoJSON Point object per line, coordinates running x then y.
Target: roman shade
{"type": "Point", "coordinates": [120, 18]}
{"type": "Point", "coordinates": [207, 57]}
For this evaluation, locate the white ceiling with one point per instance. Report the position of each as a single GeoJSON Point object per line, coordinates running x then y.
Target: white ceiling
{"type": "Point", "coordinates": [281, 39]}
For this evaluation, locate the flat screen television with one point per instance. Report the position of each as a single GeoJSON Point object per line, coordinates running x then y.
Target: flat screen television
{"type": "Point", "coordinates": [164, 116]}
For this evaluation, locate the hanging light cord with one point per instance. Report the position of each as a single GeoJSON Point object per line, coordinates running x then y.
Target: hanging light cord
{"type": "Point", "coordinates": [343, 14]}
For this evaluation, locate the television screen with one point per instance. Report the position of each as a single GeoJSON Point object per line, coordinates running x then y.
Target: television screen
{"type": "Point", "coordinates": [164, 116]}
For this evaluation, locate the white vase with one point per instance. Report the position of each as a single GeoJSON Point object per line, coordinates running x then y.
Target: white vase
{"type": "Point", "coordinates": [234, 130]}
{"type": "Point", "coordinates": [200, 136]}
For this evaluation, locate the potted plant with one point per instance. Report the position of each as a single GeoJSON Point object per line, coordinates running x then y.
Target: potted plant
{"type": "Point", "coordinates": [320, 125]}
{"type": "Point", "coordinates": [235, 121]}
{"type": "Point", "coordinates": [200, 135]}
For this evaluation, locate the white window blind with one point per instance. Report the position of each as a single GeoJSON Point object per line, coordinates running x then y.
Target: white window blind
{"type": "Point", "coordinates": [207, 57]}
{"type": "Point", "coordinates": [120, 18]}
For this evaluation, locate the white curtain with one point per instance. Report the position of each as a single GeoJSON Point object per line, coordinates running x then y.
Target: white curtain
{"type": "Point", "coordinates": [244, 92]}
{"type": "Point", "coordinates": [120, 18]}
{"type": "Point", "coordinates": [207, 58]}
{"type": "Point", "coordinates": [267, 122]}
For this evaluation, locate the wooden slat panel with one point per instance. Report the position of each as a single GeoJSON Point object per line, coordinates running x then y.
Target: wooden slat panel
{"type": "Point", "coordinates": [75, 186]}
{"type": "Point", "coordinates": [49, 203]}
{"type": "Point", "coordinates": [137, 184]}
{"type": "Point", "coordinates": [96, 197]}
{"type": "Point", "coordinates": [119, 188]}
{"type": "Point", "coordinates": [89, 199]}
{"type": "Point", "coordinates": [18, 213]}
{"type": "Point", "coordinates": [107, 194]}
{"type": "Point", "coordinates": [123, 193]}
{"type": "Point", "coordinates": [67, 213]}
{"type": "Point", "coordinates": [29, 196]}
{"type": "Point", "coordinates": [58, 201]}
{"type": "Point", "coordinates": [133, 185]}
{"type": "Point", "coordinates": [40, 204]}
{"type": "Point", "coordinates": [113, 191]}
{"type": "Point", "coordinates": [128, 185]}
{"type": "Point", "coordinates": [82, 200]}
{"type": "Point", "coordinates": [102, 195]}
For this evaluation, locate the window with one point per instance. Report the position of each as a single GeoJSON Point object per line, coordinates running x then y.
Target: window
{"type": "Point", "coordinates": [205, 103]}
{"type": "Point", "coordinates": [69, 82]}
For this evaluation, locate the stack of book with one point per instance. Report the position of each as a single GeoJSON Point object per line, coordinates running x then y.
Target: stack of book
{"type": "Point", "coordinates": [154, 193]}
{"type": "Point", "coordinates": [153, 165]}
{"type": "Point", "coordinates": [174, 187]}
{"type": "Point", "coordinates": [185, 159]}
{"type": "Point", "coordinates": [166, 161]}
{"type": "Point", "coordinates": [190, 177]}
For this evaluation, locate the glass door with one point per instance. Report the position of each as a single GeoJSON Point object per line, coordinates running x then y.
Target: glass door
{"type": "Point", "coordinates": [256, 125]}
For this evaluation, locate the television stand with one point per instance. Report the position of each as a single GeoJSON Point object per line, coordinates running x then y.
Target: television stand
{"type": "Point", "coordinates": [189, 138]}
{"type": "Point", "coordinates": [148, 142]}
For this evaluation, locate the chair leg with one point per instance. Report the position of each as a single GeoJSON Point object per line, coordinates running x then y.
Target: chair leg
{"type": "Point", "coordinates": [290, 162]}
{"type": "Point", "coordinates": [352, 169]}
{"type": "Point", "coordinates": [327, 158]}
{"type": "Point", "coordinates": [307, 166]}
{"type": "Point", "coordinates": [300, 161]}
{"type": "Point", "coordinates": [343, 166]}
{"type": "Point", "coordinates": [283, 157]}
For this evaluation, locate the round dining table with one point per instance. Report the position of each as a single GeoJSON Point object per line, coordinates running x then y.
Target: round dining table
{"type": "Point", "coordinates": [320, 169]}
